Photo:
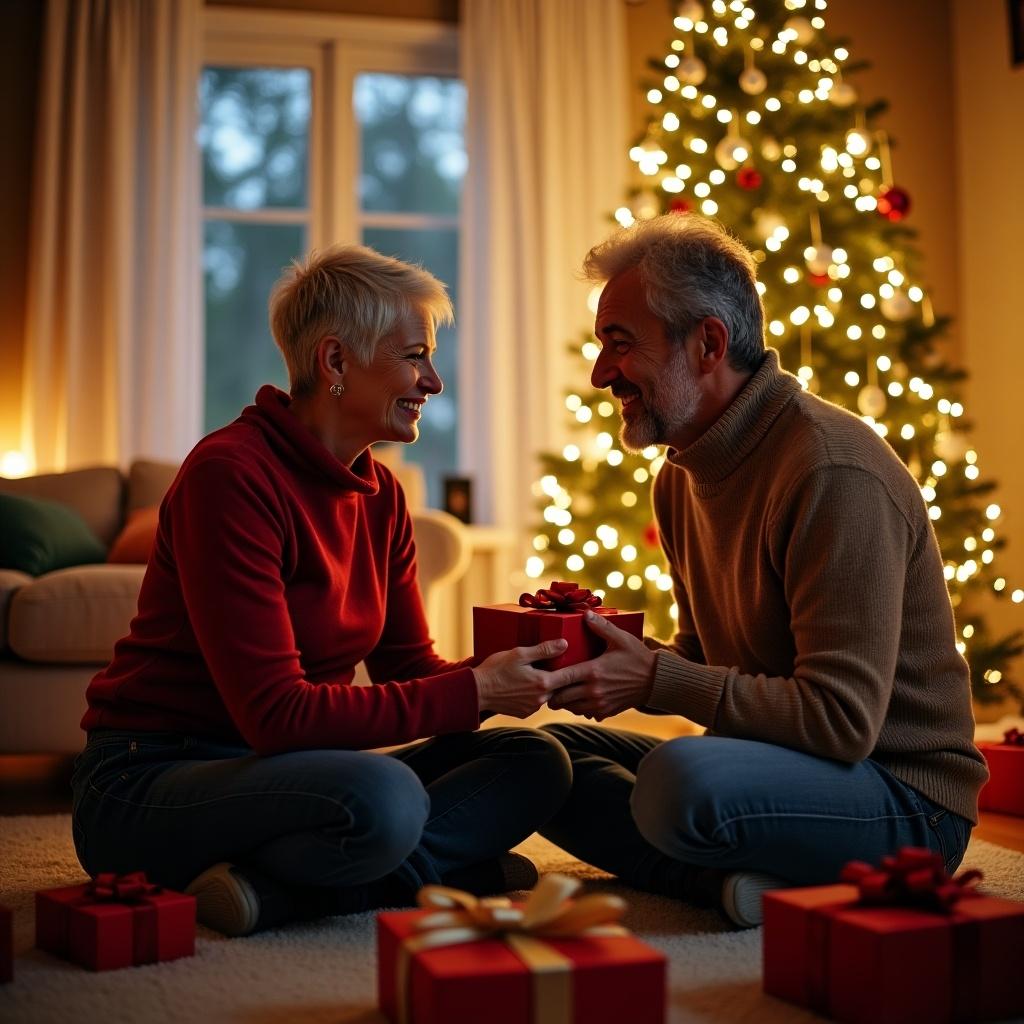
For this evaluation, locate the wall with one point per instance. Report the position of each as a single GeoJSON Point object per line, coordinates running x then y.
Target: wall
{"type": "Point", "coordinates": [21, 28]}
{"type": "Point", "coordinates": [435, 10]}
{"type": "Point", "coordinates": [989, 102]}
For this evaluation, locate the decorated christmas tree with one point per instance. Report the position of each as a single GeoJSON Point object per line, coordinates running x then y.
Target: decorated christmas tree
{"type": "Point", "coordinates": [755, 120]}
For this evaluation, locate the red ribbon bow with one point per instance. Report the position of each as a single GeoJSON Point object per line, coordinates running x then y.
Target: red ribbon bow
{"type": "Point", "coordinates": [1014, 737]}
{"type": "Point", "coordinates": [914, 877]}
{"type": "Point", "coordinates": [109, 887]}
{"type": "Point", "coordinates": [560, 597]}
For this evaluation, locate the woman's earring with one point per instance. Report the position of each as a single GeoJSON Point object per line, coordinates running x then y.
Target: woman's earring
{"type": "Point", "coordinates": [337, 390]}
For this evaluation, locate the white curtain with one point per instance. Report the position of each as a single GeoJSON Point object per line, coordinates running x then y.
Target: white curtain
{"type": "Point", "coordinates": [546, 136]}
{"type": "Point", "coordinates": [113, 350]}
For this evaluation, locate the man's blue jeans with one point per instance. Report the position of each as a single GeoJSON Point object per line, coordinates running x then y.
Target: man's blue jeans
{"type": "Point", "coordinates": [173, 805]}
{"type": "Point", "coordinates": [648, 810]}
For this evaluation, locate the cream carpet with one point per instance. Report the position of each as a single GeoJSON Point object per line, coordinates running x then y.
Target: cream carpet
{"type": "Point", "coordinates": [326, 972]}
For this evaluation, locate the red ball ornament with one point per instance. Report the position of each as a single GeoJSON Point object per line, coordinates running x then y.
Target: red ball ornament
{"type": "Point", "coordinates": [818, 280]}
{"type": "Point", "coordinates": [679, 206]}
{"type": "Point", "coordinates": [893, 202]}
{"type": "Point", "coordinates": [650, 535]}
{"type": "Point", "coordinates": [749, 178]}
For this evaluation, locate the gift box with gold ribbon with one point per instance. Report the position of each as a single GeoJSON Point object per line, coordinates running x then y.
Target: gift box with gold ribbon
{"type": "Point", "coordinates": [552, 613]}
{"type": "Point", "coordinates": [115, 921]}
{"type": "Point", "coordinates": [550, 960]}
{"type": "Point", "coordinates": [899, 944]}
{"type": "Point", "coordinates": [1004, 791]}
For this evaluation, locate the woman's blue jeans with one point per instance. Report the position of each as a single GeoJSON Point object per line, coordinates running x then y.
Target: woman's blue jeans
{"type": "Point", "coordinates": [173, 805]}
{"type": "Point", "coordinates": [646, 810]}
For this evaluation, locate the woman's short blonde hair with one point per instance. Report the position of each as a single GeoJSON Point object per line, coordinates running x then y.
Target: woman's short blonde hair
{"type": "Point", "coordinates": [354, 293]}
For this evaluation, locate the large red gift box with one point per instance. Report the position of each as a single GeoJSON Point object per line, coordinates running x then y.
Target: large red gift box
{"type": "Point", "coordinates": [6, 945]}
{"type": "Point", "coordinates": [501, 627]}
{"type": "Point", "coordinates": [115, 921]}
{"type": "Point", "coordinates": [882, 964]}
{"type": "Point", "coordinates": [584, 979]}
{"type": "Point", "coordinates": [1004, 791]}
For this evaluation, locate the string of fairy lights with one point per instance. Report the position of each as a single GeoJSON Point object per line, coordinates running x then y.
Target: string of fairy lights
{"type": "Point", "coordinates": [859, 174]}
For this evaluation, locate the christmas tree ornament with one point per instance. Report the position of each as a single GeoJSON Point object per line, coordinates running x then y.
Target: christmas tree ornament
{"type": "Point", "coordinates": [871, 401]}
{"type": "Point", "coordinates": [753, 81]}
{"type": "Point", "coordinates": [800, 29]}
{"type": "Point", "coordinates": [680, 206]}
{"type": "Point", "coordinates": [748, 177]}
{"type": "Point", "coordinates": [731, 152]}
{"type": "Point", "coordinates": [770, 148]}
{"type": "Point", "coordinates": [691, 10]}
{"type": "Point", "coordinates": [645, 205]}
{"type": "Point", "coordinates": [893, 202]}
{"type": "Point", "coordinates": [767, 222]}
{"type": "Point", "coordinates": [818, 280]}
{"type": "Point", "coordinates": [897, 307]}
{"type": "Point", "coordinates": [951, 445]}
{"type": "Point", "coordinates": [818, 259]}
{"type": "Point", "coordinates": [691, 71]}
{"type": "Point", "coordinates": [842, 94]}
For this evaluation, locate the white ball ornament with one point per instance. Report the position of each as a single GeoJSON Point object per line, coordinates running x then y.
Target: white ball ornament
{"type": "Point", "coordinates": [951, 445]}
{"type": "Point", "coordinates": [842, 94]}
{"type": "Point", "coordinates": [770, 148]}
{"type": "Point", "coordinates": [898, 307]}
{"type": "Point", "coordinates": [871, 401]}
{"type": "Point", "coordinates": [767, 222]}
{"type": "Point", "coordinates": [753, 81]}
{"type": "Point", "coordinates": [801, 28]}
{"type": "Point", "coordinates": [731, 152]}
{"type": "Point", "coordinates": [820, 260]}
{"type": "Point", "coordinates": [691, 9]}
{"type": "Point", "coordinates": [644, 205]}
{"type": "Point", "coordinates": [691, 71]}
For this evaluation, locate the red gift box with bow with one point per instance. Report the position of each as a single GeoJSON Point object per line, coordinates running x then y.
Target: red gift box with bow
{"type": "Point", "coordinates": [6, 945]}
{"type": "Point", "coordinates": [552, 960]}
{"type": "Point", "coordinates": [1004, 791]}
{"type": "Point", "coordinates": [553, 613]}
{"type": "Point", "coordinates": [901, 944]}
{"type": "Point", "coordinates": [115, 921]}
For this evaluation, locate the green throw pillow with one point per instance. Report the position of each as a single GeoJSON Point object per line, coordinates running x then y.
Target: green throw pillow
{"type": "Point", "coordinates": [38, 536]}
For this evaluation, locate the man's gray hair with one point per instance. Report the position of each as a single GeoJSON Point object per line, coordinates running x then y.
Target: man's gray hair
{"type": "Point", "coordinates": [691, 267]}
{"type": "Point", "coordinates": [354, 293]}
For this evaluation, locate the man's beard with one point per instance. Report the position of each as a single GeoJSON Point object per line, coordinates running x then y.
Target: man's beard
{"type": "Point", "coordinates": [671, 406]}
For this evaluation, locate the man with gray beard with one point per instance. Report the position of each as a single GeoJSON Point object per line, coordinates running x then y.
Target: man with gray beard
{"type": "Point", "coordinates": [815, 636]}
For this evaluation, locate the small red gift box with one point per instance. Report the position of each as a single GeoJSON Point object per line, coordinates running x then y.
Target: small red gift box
{"type": "Point", "coordinates": [115, 921]}
{"type": "Point", "coordinates": [1004, 791]}
{"type": "Point", "coordinates": [824, 948]}
{"type": "Point", "coordinates": [6, 945]}
{"type": "Point", "coordinates": [465, 970]}
{"type": "Point", "coordinates": [551, 614]}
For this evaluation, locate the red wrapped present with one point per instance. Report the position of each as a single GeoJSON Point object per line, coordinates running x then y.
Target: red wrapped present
{"type": "Point", "coordinates": [549, 614]}
{"type": "Point", "coordinates": [552, 960]}
{"type": "Point", "coordinates": [906, 943]}
{"type": "Point", "coordinates": [1004, 791]}
{"type": "Point", "coordinates": [116, 921]}
{"type": "Point", "coordinates": [6, 945]}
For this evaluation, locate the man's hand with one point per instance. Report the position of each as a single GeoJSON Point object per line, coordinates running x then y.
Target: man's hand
{"type": "Point", "coordinates": [507, 683]}
{"type": "Point", "coordinates": [620, 678]}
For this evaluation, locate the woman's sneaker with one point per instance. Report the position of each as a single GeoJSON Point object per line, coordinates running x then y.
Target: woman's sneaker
{"type": "Point", "coordinates": [741, 896]}
{"type": "Point", "coordinates": [225, 900]}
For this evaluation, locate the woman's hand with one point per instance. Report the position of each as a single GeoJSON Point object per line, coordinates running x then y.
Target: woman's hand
{"type": "Point", "coordinates": [508, 684]}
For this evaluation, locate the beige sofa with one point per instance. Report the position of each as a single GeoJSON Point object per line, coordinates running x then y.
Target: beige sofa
{"type": "Point", "coordinates": [58, 629]}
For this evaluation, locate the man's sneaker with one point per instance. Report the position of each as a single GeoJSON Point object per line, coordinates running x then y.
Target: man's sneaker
{"type": "Point", "coordinates": [741, 896]}
{"type": "Point", "coordinates": [225, 900]}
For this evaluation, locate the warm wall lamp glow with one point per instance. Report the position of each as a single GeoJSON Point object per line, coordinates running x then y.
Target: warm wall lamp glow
{"type": "Point", "coordinates": [14, 463]}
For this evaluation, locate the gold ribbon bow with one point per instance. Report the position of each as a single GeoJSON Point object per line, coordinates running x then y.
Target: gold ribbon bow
{"type": "Point", "coordinates": [549, 912]}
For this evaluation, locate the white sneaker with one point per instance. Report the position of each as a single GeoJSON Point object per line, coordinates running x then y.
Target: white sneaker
{"type": "Point", "coordinates": [225, 900]}
{"type": "Point", "coordinates": [741, 896]}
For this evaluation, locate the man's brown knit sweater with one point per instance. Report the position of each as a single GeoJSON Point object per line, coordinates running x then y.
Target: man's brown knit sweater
{"type": "Point", "coordinates": [813, 612]}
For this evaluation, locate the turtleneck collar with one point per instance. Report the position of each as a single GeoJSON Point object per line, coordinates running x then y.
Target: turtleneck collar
{"type": "Point", "coordinates": [272, 415]}
{"type": "Point", "coordinates": [738, 431]}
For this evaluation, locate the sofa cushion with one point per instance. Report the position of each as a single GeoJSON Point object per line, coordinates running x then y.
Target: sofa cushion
{"type": "Point", "coordinates": [74, 615]}
{"type": "Point", "coordinates": [148, 482]}
{"type": "Point", "coordinates": [135, 542]}
{"type": "Point", "coordinates": [38, 536]}
{"type": "Point", "coordinates": [97, 495]}
{"type": "Point", "coordinates": [10, 581]}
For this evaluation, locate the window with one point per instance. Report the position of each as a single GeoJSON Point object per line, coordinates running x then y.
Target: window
{"type": "Point", "coordinates": [316, 130]}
